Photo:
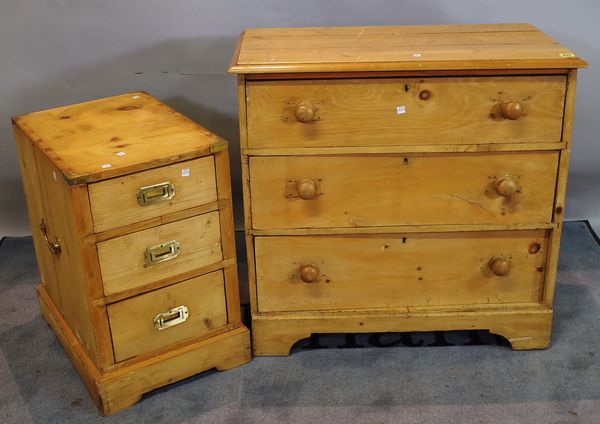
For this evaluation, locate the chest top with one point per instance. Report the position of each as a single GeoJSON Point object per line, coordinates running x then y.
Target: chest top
{"type": "Point", "coordinates": [399, 48]}
{"type": "Point", "coordinates": [115, 136]}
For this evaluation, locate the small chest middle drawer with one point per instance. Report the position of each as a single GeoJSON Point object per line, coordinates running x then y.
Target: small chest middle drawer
{"type": "Point", "coordinates": [417, 189]}
{"type": "Point", "coordinates": [161, 252]}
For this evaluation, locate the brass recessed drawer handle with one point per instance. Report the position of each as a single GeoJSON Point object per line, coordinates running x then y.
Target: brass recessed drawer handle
{"type": "Point", "coordinates": [156, 193]}
{"type": "Point", "coordinates": [162, 252]}
{"type": "Point", "coordinates": [53, 247]}
{"type": "Point", "coordinates": [170, 318]}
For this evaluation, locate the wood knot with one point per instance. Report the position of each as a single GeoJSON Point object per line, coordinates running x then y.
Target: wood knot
{"type": "Point", "coordinates": [128, 107]}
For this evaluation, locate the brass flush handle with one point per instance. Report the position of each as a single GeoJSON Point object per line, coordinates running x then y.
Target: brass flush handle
{"type": "Point", "coordinates": [170, 318]}
{"type": "Point", "coordinates": [53, 247]}
{"type": "Point", "coordinates": [162, 252]}
{"type": "Point", "coordinates": [156, 193]}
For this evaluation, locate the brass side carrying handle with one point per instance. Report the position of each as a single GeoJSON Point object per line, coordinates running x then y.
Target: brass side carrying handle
{"type": "Point", "coordinates": [53, 247]}
{"type": "Point", "coordinates": [162, 252]}
{"type": "Point", "coordinates": [156, 193]}
{"type": "Point", "coordinates": [171, 317]}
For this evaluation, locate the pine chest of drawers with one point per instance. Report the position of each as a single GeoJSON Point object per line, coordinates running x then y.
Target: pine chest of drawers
{"type": "Point", "coordinates": [403, 179]}
{"type": "Point", "coordinates": [130, 207]}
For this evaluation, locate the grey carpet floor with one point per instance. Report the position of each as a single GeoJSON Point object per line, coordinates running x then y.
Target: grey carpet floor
{"type": "Point", "coordinates": [456, 377]}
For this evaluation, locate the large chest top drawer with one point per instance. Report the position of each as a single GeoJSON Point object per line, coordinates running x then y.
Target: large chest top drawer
{"type": "Point", "coordinates": [405, 111]}
{"type": "Point", "coordinates": [418, 189]}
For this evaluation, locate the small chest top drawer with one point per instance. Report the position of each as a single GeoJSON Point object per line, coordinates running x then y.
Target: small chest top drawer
{"type": "Point", "coordinates": [417, 189]}
{"type": "Point", "coordinates": [134, 198]}
{"type": "Point", "coordinates": [405, 111]}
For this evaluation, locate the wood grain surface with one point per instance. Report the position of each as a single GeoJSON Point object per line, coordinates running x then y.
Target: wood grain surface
{"type": "Point", "coordinates": [115, 136]}
{"type": "Point", "coordinates": [393, 48]}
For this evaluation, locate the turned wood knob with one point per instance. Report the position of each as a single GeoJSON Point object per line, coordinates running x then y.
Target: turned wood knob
{"type": "Point", "coordinates": [499, 265]}
{"type": "Point", "coordinates": [306, 188]}
{"type": "Point", "coordinates": [506, 186]}
{"type": "Point", "coordinates": [305, 112]}
{"type": "Point", "coordinates": [309, 273]}
{"type": "Point", "coordinates": [511, 109]}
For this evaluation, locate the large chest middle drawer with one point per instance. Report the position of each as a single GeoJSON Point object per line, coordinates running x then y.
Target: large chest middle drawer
{"type": "Point", "coordinates": [416, 189]}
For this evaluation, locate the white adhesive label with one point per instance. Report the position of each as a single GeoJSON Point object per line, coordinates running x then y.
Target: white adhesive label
{"type": "Point", "coordinates": [185, 172]}
{"type": "Point", "coordinates": [400, 110]}
{"type": "Point", "coordinates": [106, 165]}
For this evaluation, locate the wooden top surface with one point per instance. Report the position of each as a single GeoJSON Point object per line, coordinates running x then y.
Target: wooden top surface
{"type": "Point", "coordinates": [115, 136]}
{"type": "Point", "coordinates": [399, 48]}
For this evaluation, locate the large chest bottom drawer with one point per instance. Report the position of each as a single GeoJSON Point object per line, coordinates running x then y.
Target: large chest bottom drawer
{"type": "Point", "coordinates": [303, 273]}
{"type": "Point", "coordinates": [150, 321]}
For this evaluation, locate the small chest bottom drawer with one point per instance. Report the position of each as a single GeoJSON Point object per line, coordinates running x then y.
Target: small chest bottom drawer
{"type": "Point", "coordinates": [168, 315]}
{"type": "Point", "coordinates": [303, 273]}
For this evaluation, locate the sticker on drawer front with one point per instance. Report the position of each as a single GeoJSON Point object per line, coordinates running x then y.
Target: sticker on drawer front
{"type": "Point", "coordinates": [185, 172]}
{"type": "Point", "coordinates": [400, 110]}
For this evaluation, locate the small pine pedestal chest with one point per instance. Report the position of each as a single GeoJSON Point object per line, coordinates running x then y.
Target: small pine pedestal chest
{"type": "Point", "coordinates": [403, 179]}
{"type": "Point", "coordinates": [130, 208]}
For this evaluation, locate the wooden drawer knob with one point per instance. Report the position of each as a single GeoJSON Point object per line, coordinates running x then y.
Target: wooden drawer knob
{"type": "Point", "coordinates": [305, 112]}
{"type": "Point", "coordinates": [306, 188]}
{"type": "Point", "coordinates": [506, 186]}
{"type": "Point", "coordinates": [499, 265]}
{"type": "Point", "coordinates": [511, 109]}
{"type": "Point", "coordinates": [309, 273]}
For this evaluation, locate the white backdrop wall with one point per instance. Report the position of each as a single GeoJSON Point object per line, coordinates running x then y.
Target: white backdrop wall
{"type": "Point", "coordinates": [57, 52]}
